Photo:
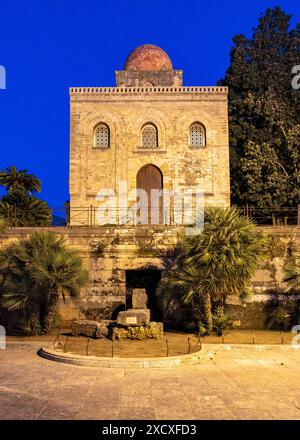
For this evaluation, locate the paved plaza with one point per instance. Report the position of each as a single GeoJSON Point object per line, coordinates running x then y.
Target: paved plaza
{"type": "Point", "coordinates": [232, 385]}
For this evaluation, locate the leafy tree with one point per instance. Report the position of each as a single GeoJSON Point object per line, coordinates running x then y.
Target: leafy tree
{"type": "Point", "coordinates": [214, 264]}
{"type": "Point", "coordinates": [19, 206]}
{"type": "Point", "coordinates": [35, 273]}
{"type": "Point", "coordinates": [21, 180]}
{"type": "Point", "coordinates": [17, 292]}
{"type": "Point", "coordinates": [21, 209]}
{"type": "Point", "coordinates": [221, 323]}
{"type": "Point", "coordinates": [264, 114]}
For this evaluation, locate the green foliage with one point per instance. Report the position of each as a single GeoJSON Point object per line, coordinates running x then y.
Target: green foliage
{"type": "Point", "coordinates": [222, 323]}
{"type": "Point", "coordinates": [152, 330]}
{"type": "Point", "coordinates": [154, 247]}
{"type": "Point", "coordinates": [273, 247]}
{"type": "Point", "coordinates": [283, 317]}
{"type": "Point", "coordinates": [35, 329]}
{"type": "Point", "coordinates": [292, 276]}
{"type": "Point", "coordinates": [264, 114]}
{"type": "Point", "coordinates": [21, 209]}
{"type": "Point", "coordinates": [57, 321]}
{"type": "Point", "coordinates": [35, 272]}
{"type": "Point", "coordinates": [146, 248]}
{"type": "Point", "coordinates": [202, 329]}
{"type": "Point", "coordinates": [20, 180]}
{"type": "Point", "coordinates": [214, 264]}
{"type": "Point", "coordinates": [97, 248]}
{"type": "Point", "coordinates": [19, 206]}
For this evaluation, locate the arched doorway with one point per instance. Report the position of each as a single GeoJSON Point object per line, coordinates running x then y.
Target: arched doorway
{"type": "Point", "coordinates": [146, 279]}
{"type": "Point", "coordinates": [150, 179]}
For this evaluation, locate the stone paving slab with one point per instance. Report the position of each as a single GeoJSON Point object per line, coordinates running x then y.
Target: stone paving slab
{"type": "Point", "coordinates": [233, 385]}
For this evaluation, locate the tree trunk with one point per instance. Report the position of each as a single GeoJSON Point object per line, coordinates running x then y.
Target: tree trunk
{"type": "Point", "coordinates": [43, 311]}
{"type": "Point", "coordinates": [51, 310]}
{"type": "Point", "coordinates": [34, 321]}
{"type": "Point", "coordinates": [207, 312]}
{"type": "Point", "coordinates": [218, 309]}
{"type": "Point", "coordinates": [33, 318]}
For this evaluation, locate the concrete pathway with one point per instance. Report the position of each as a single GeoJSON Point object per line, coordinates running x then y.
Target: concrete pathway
{"type": "Point", "coordinates": [234, 385]}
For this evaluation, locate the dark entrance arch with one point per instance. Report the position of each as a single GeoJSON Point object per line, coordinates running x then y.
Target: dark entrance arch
{"type": "Point", "coordinates": [150, 178]}
{"type": "Point", "coordinates": [146, 279]}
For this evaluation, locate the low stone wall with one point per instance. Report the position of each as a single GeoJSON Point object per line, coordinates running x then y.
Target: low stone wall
{"type": "Point", "coordinates": [107, 252]}
{"type": "Point", "coordinates": [255, 314]}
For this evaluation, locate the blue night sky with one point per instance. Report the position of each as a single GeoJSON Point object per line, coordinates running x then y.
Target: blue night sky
{"type": "Point", "coordinates": [49, 46]}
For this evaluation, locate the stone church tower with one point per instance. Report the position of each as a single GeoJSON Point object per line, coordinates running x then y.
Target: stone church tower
{"type": "Point", "coordinates": [148, 132]}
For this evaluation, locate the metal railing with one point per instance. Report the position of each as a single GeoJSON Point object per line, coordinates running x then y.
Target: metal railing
{"type": "Point", "coordinates": [285, 216]}
{"type": "Point", "coordinates": [123, 348]}
{"type": "Point", "coordinates": [92, 216]}
{"type": "Point", "coordinates": [89, 216]}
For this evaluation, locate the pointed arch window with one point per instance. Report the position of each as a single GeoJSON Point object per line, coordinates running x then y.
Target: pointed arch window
{"type": "Point", "coordinates": [102, 136]}
{"type": "Point", "coordinates": [197, 135]}
{"type": "Point", "coordinates": [149, 136]}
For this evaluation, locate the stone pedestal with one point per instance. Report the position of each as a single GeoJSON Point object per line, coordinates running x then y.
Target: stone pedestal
{"type": "Point", "coordinates": [135, 323]}
{"type": "Point", "coordinates": [92, 329]}
{"type": "Point", "coordinates": [139, 315]}
{"type": "Point", "coordinates": [133, 317]}
{"type": "Point", "coordinates": [139, 299]}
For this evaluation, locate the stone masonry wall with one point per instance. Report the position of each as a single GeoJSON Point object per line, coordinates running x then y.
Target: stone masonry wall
{"type": "Point", "coordinates": [107, 252]}
{"type": "Point", "coordinates": [125, 111]}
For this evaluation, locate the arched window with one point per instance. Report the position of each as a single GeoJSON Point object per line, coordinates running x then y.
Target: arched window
{"type": "Point", "coordinates": [149, 136]}
{"type": "Point", "coordinates": [197, 135]}
{"type": "Point", "coordinates": [101, 136]}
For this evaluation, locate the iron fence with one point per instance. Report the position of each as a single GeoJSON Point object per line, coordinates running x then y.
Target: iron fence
{"type": "Point", "coordinates": [89, 217]}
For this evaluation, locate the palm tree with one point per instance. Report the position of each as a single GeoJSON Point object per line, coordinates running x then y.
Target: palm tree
{"type": "Point", "coordinates": [292, 276]}
{"type": "Point", "coordinates": [36, 272]}
{"type": "Point", "coordinates": [21, 209]}
{"type": "Point", "coordinates": [214, 264]}
{"type": "Point", "coordinates": [14, 179]}
{"type": "Point", "coordinates": [19, 293]}
{"type": "Point", "coordinates": [16, 289]}
{"type": "Point", "coordinates": [19, 206]}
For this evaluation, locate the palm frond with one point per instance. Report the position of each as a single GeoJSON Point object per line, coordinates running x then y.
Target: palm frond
{"type": "Point", "coordinates": [35, 270]}
{"type": "Point", "coordinates": [292, 276]}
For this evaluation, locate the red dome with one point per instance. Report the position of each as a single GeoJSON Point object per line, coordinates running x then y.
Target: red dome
{"type": "Point", "coordinates": [148, 57]}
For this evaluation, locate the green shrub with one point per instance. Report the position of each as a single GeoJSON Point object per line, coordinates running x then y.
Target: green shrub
{"type": "Point", "coordinates": [222, 323]}
{"type": "Point", "coordinates": [283, 317]}
{"type": "Point", "coordinates": [57, 321]}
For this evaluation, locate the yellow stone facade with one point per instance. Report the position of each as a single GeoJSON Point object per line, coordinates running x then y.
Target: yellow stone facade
{"type": "Point", "coordinates": [172, 109]}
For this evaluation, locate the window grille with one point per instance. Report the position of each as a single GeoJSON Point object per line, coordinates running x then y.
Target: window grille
{"type": "Point", "coordinates": [149, 136]}
{"type": "Point", "coordinates": [101, 136]}
{"type": "Point", "coordinates": [197, 135]}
